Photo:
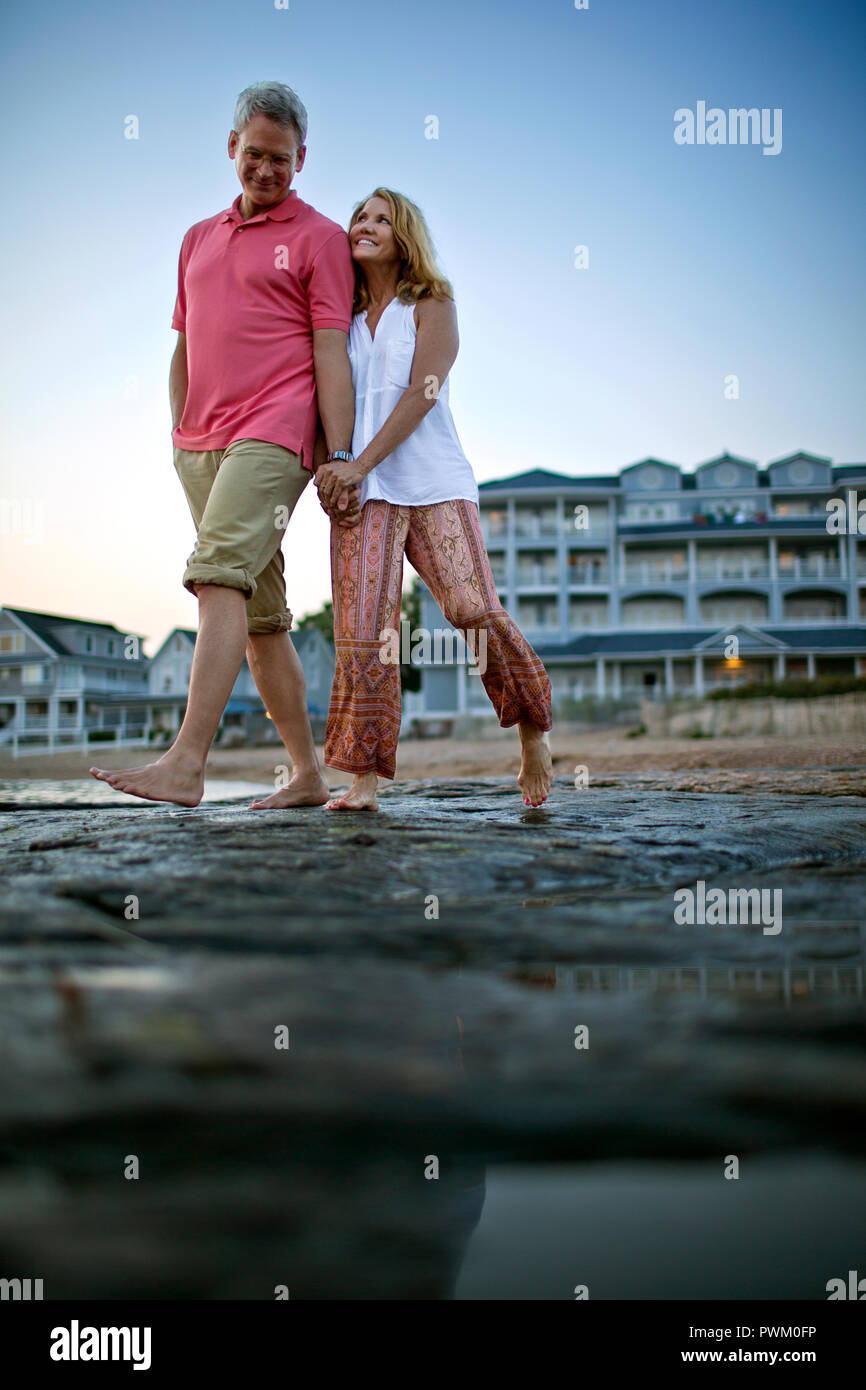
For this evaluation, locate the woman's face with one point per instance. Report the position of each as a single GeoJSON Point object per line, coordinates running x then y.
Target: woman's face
{"type": "Point", "coordinates": [372, 236]}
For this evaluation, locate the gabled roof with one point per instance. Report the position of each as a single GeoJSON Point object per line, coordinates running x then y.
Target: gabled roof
{"type": "Point", "coordinates": [540, 478]}
{"type": "Point", "coordinates": [800, 454]}
{"type": "Point", "coordinates": [755, 637]}
{"type": "Point", "coordinates": [42, 625]}
{"type": "Point", "coordinates": [657, 463]}
{"type": "Point", "coordinates": [188, 632]}
{"type": "Point", "coordinates": [725, 458]}
{"type": "Point", "coordinates": [303, 637]}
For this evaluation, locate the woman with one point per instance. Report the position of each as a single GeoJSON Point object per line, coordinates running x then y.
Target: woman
{"type": "Point", "coordinates": [418, 497]}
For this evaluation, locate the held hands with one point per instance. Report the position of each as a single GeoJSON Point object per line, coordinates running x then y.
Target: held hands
{"type": "Point", "coordinates": [347, 509]}
{"type": "Point", "coordinates": [332, 479]}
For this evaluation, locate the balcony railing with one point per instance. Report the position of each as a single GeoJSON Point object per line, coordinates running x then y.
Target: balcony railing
{"type": "Point", "coordinates": [533, 624]}
{"type": "Point", "coordinates": [539, 576]}
{"type": "Point", "coordinates": [814, 567]}
{"type": "Point", "coordinates": [535, 527]}
{"type": "Point", "coordinates": [721, 571]}
{"type": "Point", "coordinates": [653, 572]}
{"type": "Point", "coordinates": [796, 620]}
{"type": "Point", "coordinates": [586, 578]}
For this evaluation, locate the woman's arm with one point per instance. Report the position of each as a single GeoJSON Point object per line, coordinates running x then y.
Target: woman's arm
{"type": "Point", "coordinates": [436, 344]}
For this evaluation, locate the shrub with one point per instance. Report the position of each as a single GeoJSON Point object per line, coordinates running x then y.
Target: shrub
{"type": "Point", "coordinates": [793, 688]}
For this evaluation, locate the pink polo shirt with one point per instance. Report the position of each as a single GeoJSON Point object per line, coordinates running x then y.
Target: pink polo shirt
{"type": "Point", "coordinates": [249, 296]}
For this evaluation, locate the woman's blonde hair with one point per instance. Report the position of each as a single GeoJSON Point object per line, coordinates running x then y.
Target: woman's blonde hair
{"type": "Point", "coordinates": [420, 276]}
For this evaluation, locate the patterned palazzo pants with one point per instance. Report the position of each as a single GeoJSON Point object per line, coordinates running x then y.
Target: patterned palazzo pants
{"type": "Point", "coordinates": [443, 543]}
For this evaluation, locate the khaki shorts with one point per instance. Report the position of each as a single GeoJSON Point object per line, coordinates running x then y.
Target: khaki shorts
{"type": "Point", "coordinates": [241, 499]}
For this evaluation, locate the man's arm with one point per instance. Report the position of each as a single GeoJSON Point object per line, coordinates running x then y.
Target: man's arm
{"type": "Point", "coordinates": [178, 381]}
{"type": "Point", "coordinates": [334, 387]}
{"type": "Point", "coordinates": [336, 396]}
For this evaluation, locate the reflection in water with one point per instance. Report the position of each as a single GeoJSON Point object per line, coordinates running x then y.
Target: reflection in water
{"type": "Point", "coordinates": [787, 983]}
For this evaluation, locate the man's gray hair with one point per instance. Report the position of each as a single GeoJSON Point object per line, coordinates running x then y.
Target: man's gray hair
{"type": "Point", "coordinates": [276, 101]}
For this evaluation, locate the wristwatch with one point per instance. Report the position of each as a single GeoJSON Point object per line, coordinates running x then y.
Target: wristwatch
{"type": "Point", "coordinates": [342, 455]}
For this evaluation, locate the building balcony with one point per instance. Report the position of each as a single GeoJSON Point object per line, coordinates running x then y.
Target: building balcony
{"type": "Point", "coordinates": [731, 571]}
{"type": "Point", "coordinates": [815, 567]}
{"type": "Point", "coordinates": [533, 527]}
{"type": "Point", "coordinates": [495, 535]}
{"type": "Point", "coordinates": [589, 578]}
{"type": "Point", "coordinates": [537, 577]}
{"type": "Point", "coordinates": [653, 572]}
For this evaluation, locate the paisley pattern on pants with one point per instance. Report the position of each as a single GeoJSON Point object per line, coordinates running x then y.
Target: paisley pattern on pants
{"type": "Point", "coordinates": [443, 543]}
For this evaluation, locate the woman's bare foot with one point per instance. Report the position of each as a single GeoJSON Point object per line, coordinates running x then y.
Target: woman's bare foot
{"type": "Point", "coordinates": [536, 765]}
{"type": "Point", "coordinates": [171, 778]}
{"type": "Point", "coordinates": [305, 789]}
{"type": "Point", "coordinates": [361, 796]}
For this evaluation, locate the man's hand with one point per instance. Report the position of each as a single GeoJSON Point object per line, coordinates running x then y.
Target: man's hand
{"type": "Point", "coordinates": [332, 479]}
{"type": "Point", "coordinates": [347, 509]}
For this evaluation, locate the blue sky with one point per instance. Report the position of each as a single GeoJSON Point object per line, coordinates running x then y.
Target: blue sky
{"type": "Point", "coordinates": [555, 130]}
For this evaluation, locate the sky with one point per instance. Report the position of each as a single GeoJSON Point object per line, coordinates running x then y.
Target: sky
{"type": "Point", "coordinates": [555, 131]}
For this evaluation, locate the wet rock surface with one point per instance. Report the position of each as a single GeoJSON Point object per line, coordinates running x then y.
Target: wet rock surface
{"type": "Point", "coordinates": [430, 964]}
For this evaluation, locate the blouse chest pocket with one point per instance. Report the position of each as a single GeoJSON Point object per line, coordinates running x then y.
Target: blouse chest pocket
{"type": "Point", "coordinates": [398, 362]}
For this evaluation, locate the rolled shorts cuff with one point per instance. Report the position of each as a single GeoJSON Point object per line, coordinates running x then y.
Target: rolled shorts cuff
{"type": "Point", "coordinates": [276, 622]}
{"type": "Point", "coordinates": [222, 575]}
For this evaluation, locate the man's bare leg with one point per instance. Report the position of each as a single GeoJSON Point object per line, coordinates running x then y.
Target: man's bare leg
{"type": "Point", "coordinates": [536, 765]}
{"type": "Point", "coordinates": [361, 796]}
{"type": "Point", "coordinates": [219, 651]}
{"type": "Point", "coordinates": [279, 678]}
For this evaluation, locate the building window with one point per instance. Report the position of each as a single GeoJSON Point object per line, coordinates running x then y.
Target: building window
{"type": "Point", "coordinates": [88, 644]}
{"type": "Point", "coordinates": [11, 641]}
{"type": "Point", "coordinates": [33, 675]}
{"type": "Point", "coordinates": [111, 646]}
{"type": "Point", "coordinates": [178, 644]}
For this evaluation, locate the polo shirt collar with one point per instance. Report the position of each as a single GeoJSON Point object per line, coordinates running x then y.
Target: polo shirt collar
{"type": "Point", "coordinates": [289, 207]}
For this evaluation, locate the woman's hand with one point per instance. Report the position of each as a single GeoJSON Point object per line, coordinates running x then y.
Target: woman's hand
{"type": "Point", "coordinates": [333, 478]}
{"type": "Point", "coordinates": [347, 509]}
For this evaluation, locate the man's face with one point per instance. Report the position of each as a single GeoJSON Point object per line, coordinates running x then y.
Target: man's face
{"type": "Point", "coordinates": [267, 157]}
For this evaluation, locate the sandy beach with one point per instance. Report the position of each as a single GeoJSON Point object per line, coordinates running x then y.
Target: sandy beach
{"type": "Point", "coordinates": [607, 753]}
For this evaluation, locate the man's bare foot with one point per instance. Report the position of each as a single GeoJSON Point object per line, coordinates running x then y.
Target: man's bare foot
{"type": "Point", "coordinates": [361, 796]}
{"type": "Point", "coordinates": [536, 765]}
{"type": "Point", "coordinates": [305, 789]}
{"type": "Point", "coordinates": [170, 778]}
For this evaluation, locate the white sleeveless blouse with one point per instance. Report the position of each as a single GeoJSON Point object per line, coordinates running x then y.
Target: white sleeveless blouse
{"type": "Point", "coordinates": [430, 466]}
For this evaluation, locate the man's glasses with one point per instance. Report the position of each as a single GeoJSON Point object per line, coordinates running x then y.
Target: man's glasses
{"type": "Point", "coordinates": [278, 162]}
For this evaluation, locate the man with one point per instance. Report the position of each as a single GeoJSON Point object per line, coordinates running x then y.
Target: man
{"type": "Point", "coordinates": [263, 309]}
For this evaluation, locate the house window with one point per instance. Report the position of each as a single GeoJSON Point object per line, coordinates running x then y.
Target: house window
{"type": "Point", "coordinates": [33, 675]}
{"type": "Point", "coordinates": [11, 642]}
{"type": "Point", "coordinates": [111, 646]}
{"type": "Point", "coordinates": [166, 683]}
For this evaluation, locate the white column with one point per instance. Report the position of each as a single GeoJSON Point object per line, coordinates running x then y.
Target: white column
{"type": "Point", "coordinates": [699, 675]}
{"type": "Point", "coordinates": [461, 688]}
{"type": "Point", "coordinates": [616, 668]}
{"type": "Point", "coordinates": [669, 676]}
{"type": "Point", "coordinates": [780, 666]}
{"type": "Point", "coordinates": [599, 676]}
{"type": "Point", "coordinates": [810, 665]}
{"type": "Point", "coordinates": [776, 608]}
